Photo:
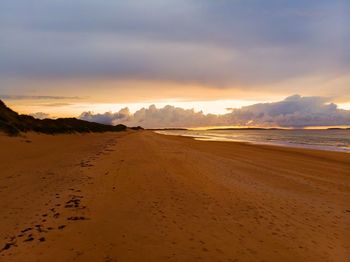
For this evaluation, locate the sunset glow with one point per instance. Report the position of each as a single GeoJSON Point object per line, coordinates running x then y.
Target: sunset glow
{"type": "Point", "coordinates": [201, 55]}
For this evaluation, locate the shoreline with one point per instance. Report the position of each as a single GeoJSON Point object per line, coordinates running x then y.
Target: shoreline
{"type": "Point", "coordinates": [278, 144]}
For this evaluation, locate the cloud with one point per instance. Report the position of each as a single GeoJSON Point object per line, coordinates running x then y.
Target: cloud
{"type": "Point", "coordinates": [107, 118]}
{"type": "Point", "coordinates": [40, 115]}
{"type": "Point", "coordinates": [294, 111]}
{"type": "Point", "coordinates": [168, 116]}
{"type": "Point", "coordinates": [217, 43]}
{"type": "Point", "coordinates": [28, 97]}
{"type": "Point", "coordinates": [56, 104]}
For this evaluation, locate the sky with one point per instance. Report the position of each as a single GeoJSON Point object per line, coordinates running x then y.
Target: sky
{"type": "Point", "coordinates": [84, 58]}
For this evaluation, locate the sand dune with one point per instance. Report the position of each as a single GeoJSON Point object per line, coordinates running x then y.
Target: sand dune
{"type": "Point", "coordinates": [141, 196]}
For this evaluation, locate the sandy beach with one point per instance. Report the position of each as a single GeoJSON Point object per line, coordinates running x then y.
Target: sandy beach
{"type": "Point", "coordinates": [141, 196]}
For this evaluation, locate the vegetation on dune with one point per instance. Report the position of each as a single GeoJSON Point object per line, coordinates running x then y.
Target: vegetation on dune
{"type": "Point", "coordinates": [13, 123]}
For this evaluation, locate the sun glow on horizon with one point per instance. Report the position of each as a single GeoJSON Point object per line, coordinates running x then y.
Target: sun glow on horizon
{"type": "Point", "coordinates": [74, 109]}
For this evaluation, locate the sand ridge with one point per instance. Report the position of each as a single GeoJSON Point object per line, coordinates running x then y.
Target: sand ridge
{"type": "Point", "coordinates": [141, 196]}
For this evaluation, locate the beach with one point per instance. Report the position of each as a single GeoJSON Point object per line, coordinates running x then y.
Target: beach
{"type": "Point", "coordinates": [142, 196]}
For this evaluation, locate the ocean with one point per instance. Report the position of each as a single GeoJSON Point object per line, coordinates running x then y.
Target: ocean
{"type": "Point", "coordinates": [333, 140]}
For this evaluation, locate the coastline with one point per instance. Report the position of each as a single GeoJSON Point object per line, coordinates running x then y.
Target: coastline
{"type": "Point", "coordinates": [280, 143]}
{"type": "Point", "coordinates": [141, 196]}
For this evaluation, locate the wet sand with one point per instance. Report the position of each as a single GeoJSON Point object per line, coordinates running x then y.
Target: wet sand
{"type": "Point", "coordinates": [141, 196]}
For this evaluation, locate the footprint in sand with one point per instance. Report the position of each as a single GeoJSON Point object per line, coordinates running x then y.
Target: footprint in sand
{"type": "Point", "coordinates": [29, 239]}
{"type": "Point", "coordinates": [42, 239]}
{"type": "Point", "coordinates": [75, 218]}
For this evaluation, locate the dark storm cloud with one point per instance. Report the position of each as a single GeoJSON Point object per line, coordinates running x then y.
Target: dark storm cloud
{"type": "Point", "coordinates": [219, 43]}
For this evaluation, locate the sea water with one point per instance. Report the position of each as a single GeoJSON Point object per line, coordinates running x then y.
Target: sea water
{"type": "Point", "coordinates": [334, 140]}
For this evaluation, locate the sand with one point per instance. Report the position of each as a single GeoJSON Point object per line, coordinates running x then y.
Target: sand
{"type": "Point", "coordinates": [141, 196]}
